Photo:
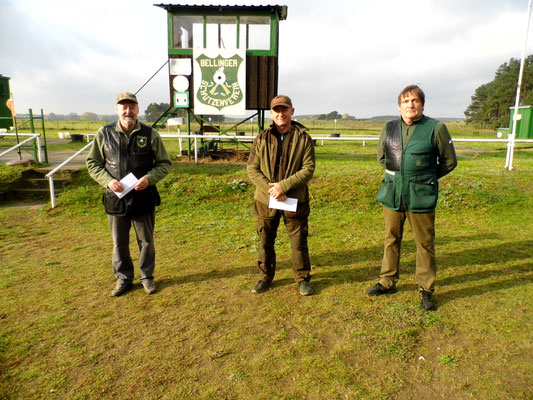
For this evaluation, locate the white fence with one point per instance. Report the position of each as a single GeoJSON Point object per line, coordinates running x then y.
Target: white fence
{"type": "Point", "coordinates": [33, 136]}
{"type": "Point", "coordinates": [227, 138]}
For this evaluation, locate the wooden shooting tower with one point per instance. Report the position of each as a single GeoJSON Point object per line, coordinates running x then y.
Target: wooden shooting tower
{"type": "Point", "coordinates": [252, 30]}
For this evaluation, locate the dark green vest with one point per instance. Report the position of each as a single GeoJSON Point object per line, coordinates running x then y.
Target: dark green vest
{"type": "Point", "coordinates": [411, 174]}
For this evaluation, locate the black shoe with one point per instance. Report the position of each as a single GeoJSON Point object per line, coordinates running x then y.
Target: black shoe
{"type": "Point", "coordinates": [378, 289]}
{"type": "Point", "coordinates": [260, 287]}
{"type": "Point", "coordinates": [305, 288]}
{"type": "Point", "coordinates": [121, 288]}
{"type": "Point", "coordinates": [426, 301]}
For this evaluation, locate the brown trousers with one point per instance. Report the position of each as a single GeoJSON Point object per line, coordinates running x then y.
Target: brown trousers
{"type": "Point", "coordinates": [423, 228]}
{"type": "Point", "coordinates": [268, 220]}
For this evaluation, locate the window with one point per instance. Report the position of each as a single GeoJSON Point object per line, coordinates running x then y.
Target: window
{"type": "Point", "coordinates": [221, 32]}
{"type": "Point", "coordinates": [255, 32]}
{"type": "Point", "coordinates": [188, 31]}
{"type": "Point", "coordinates": [252, 32]}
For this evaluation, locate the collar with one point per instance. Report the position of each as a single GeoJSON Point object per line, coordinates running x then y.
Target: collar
{"type": "Point", "coordinates": [415, 122]}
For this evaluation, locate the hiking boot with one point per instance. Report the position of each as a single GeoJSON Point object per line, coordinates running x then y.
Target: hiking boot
{"type": "Point", "coordinates": [426, 301]}
{"type": "Point", "coordinates": [149, 286]}
{"type": "Point", "coordinates": [260, 287]}
{"type": "Point", "coordinates": [378, 289]}
{"type": "Point", "coordinates": [305, 288]}
{"type": "Point", "coordinates": [120, 288]}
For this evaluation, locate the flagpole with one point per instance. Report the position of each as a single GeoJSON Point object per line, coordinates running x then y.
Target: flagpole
{"type": "Point", "coordinates": [17, 134]}
{"type": "Point", "coordinates": [516, 116]}
{"type": "Point", "coordinates": [10, 103]}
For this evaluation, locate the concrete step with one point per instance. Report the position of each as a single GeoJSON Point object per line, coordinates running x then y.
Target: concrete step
{"type": "Point", "coordinates": [30, 183]}
{"type": "Point", "coordinates": [33, 184]}
{"type": "Point", "coordinates": [35, 193]}
{"type": "Point", "coordinates": [42, 172]}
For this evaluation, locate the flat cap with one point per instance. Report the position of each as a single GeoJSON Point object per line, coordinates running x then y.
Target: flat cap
{"type": "Point", "coordinates": [281, 100]}
{"type": "Point", "coordinates": [126, 96]}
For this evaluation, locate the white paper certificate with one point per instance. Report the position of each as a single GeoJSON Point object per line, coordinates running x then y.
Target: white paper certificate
{"type": "Point", "coordinates": [128, 183]}
{"type": "Point", "coordinates": [288, 205]}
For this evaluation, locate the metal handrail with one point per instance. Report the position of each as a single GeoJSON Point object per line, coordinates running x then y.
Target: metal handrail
{"type": "Point", "coordinates": [34, 136]}
{"type": "Point", "coordinates": [50, 175]}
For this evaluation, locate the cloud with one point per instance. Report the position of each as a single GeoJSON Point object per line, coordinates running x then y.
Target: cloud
{"type": "Point", "coordinates": [353, 57]}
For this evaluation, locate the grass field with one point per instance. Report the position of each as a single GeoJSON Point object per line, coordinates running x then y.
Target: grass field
{"type": "Point", "coordinates": [205, 336]}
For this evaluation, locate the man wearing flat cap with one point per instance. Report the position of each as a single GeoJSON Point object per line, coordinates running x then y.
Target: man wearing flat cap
{"type": "Point", "coordinates": [281, 163]}
{"type": "Point", "coordinates": [120, 148]}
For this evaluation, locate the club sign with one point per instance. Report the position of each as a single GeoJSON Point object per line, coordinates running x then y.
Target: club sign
{"type": "Point", "coordinates": [219, 81]}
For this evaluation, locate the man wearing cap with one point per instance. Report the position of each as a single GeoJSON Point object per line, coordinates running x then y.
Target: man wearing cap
{"type": "Point", "coordinates": [281, 163]}
{"type": "Point", "coordinates": [123, 147]}
{"type": "Point", "coordinates": [416, 151]}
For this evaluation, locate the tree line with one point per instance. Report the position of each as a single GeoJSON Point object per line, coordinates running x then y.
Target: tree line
{"type": "Point", "coordinates": [491, 101]}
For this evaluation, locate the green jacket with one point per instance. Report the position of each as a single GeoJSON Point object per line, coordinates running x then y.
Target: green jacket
{"type": "Point", "coordinates": [414, 160]}
{"type": "Point", "coordinates": [297, 165]}
{"type": "Point", "coordinates": [96, 158]}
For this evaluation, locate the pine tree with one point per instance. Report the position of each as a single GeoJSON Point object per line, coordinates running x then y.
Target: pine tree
{"type": "Point", "coordinates": [491, 101]}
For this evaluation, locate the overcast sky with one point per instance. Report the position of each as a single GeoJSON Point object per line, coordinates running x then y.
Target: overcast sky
{"type": "Point", "coordinates": [335, 55]}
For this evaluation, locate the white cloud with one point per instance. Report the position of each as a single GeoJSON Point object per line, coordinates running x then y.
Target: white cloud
{"type": "Point", "coordinates": [352, 57]}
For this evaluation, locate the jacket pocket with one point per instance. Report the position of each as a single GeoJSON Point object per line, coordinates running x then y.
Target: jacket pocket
{"type": "Point", "coordinates": [113, 205]}
{"type": "Point", "coordinates": [423, 194]}
{"type": "Point", "coordinates": [387, 193]}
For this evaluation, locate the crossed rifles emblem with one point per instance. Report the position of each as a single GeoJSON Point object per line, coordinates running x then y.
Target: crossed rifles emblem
{"type": "Point", "coordinates": [219, 77]}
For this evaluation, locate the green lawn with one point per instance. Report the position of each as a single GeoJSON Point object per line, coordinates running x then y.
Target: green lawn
{"type": "Point", "coordinates": [205, 336]}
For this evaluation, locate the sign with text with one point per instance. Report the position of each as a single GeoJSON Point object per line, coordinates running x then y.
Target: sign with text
{"type": "Point", "coordinates": [219, 81]}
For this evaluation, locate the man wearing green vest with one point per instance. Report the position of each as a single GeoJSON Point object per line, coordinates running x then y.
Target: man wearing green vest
{"type": "Point", "coordinates": [415, 151]}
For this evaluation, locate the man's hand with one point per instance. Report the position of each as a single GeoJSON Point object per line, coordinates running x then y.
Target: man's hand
{"type": "Point", "coordinates": [142, 184]}
{"type": "Point", "coordinates": [115, 186]}
{"type": "Point", "coordinates": [276, 192]}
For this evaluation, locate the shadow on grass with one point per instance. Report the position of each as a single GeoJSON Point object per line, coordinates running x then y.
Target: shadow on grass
{"type": "Point", "coordinates": [345, 270]}
{"type": "Point", "coordinates": [526, 278]}
{"type": "Point", "coordinates": [504, 252]}
{"type": "Point", "coordinates": [205, 276]}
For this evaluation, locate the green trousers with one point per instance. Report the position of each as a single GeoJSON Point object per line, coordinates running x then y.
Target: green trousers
{"type": "Point", "coordinates": [268, 220]}
{"type": "Point", "coordinates": [423, 228]}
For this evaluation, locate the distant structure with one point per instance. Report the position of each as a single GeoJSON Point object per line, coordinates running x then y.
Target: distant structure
{"type": "Point", "coordinates": [223, 60]}
{"type": "Point", "coordinates": [6, 120]}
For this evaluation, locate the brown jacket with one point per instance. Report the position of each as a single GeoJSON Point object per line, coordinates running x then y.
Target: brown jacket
{"type": "Point", "coordinates": [298, 163]}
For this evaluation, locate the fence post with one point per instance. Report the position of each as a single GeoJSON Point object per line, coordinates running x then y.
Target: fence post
{"type": "Point", "coordinates": [52, 191]}
{"type": "Point", "coordinates": [195, 150]}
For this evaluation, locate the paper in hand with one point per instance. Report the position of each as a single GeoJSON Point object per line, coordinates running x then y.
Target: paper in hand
{"type": "Point", "coordinates": [290, 204]}
{"type": "Point", "coordinates": [128, 183]}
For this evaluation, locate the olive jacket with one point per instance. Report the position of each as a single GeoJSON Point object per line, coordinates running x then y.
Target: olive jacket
{"type": "Point", "coordinates": [296, 167]}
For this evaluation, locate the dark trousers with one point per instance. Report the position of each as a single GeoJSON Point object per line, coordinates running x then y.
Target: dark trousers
{"type": "Point", "coordinates": [297, 227]}
{"type": "Point", "coordinates": [423, 227]}
{"type": "Point", "coordinates": [144, 230]}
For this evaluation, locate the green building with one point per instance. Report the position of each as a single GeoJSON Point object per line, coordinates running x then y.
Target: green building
{"type": "Point", "coordinates": [6, 121]}
{"type": "Point", "coordinates": [524, 126]}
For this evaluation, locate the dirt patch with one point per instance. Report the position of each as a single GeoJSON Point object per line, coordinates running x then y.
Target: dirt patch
{"type": "Point", "coordinates": [27, 205]}
{"type": "Point", "coordinates": [223, 156]}
{"type": "Point", "coordinates": [231, 155]}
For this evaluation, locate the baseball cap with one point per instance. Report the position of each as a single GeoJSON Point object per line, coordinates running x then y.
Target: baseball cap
{"type": "Point", "coordinates": [126, 96]}
{"type": "Point", "coordinates": [281, 100]}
